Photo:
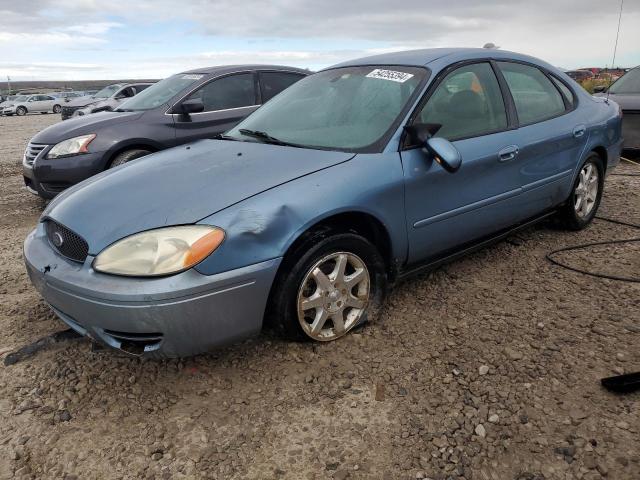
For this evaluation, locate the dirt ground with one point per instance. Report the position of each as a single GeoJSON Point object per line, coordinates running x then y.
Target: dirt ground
{"type": "Point", "coordinates": [488, 368]}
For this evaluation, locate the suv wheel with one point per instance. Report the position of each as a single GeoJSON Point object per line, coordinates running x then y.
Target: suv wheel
{"type": "Point", "coordinates": [328, 286]}
{"type": "Point", "coordinates": [127, 156]}
{"type": "Point", "coordinates": [583, 203]}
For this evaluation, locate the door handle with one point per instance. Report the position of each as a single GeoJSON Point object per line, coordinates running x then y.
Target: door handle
{"type": "Point", "coordinates": [579, 131]}
{"type": "Point", "coordinates": [508, 153]}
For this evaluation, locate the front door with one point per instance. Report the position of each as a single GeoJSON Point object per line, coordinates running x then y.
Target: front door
{"type": "Point", "coordinates": [446, 210]}
{"type": "Point", "coordinates": [226, 100]}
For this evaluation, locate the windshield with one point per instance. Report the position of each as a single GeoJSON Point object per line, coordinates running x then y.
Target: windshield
{"type": "Point", "coordinates": [106, 92]}
{"type": "Point", "coordinates": [21, 98]}
{"type": "Point", "coordinates": [350, 108]}
{"type": "Point", "coordinates": [160, 93]}
{"type": "Point", "coordinates": [628, 83]}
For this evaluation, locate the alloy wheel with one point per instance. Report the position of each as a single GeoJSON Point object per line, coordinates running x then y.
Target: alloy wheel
{"type": "Point", "coordinates": [586, 193]}
{"type": "Point", "coordinates": [333, 296]}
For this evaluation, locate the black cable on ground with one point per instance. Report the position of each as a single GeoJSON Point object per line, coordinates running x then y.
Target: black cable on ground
{"type": "Point", "coordinates": [607, 242]}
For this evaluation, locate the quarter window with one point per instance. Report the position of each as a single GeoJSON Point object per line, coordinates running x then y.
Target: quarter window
{"type": "Point", "coordinates": [234, 91]}
{"type": "Point", "coordinates": [536, 98]}
{"type": "Point", "coordinates": [272, 83]}
{"type": "Point", "coordinates": [467, 103]}
{"type": "Point", "coordinates": [566, 92]}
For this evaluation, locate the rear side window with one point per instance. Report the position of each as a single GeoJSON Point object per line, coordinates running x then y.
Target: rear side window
{"type": "Point", "coordinates": [566, 92]}
{"type": "Point", "coordinates": [234, 91]}
{"type": "Point", "coordinates": [467, 103]}
{"type": "Point", "coordinates": [272, 83]}
{"type": "Point", "coordinates": [536, 98]}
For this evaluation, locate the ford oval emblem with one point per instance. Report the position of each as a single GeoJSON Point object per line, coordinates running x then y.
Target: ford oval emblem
{"type": "Point", "coordinates": [57, 239]}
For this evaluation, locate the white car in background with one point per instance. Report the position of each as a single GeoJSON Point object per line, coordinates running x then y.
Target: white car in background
{"type": "Point", "coordinates": [23, 104]}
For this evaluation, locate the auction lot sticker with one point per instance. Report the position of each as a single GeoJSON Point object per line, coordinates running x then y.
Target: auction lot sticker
{"type": "Point", "coordinates": [392, 75]}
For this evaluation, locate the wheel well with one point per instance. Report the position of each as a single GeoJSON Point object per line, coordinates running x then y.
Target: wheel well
{"type": "Point", "coordinates": [602, 153]}
{"type": "Point", "coordinates": [362, 223]}
{"type": "Point", "coordinates": [136, 146]}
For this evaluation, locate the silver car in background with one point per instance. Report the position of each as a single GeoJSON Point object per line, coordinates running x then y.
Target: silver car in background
{"type": "Point", "coordinates": [36, 103]}
{"type": "Point", "coordinates": [106, 99]}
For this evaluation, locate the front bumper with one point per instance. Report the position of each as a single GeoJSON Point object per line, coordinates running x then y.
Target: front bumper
{"type": "Point", "coordinates": [173, 316]}
{"type": "Point", "coordinates": [48, 178]}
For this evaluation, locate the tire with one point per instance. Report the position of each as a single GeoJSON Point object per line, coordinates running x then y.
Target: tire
{"type": "Point", "coordinates": [21, 111]}
{"type": "Point", "coordinates": [351, 305]}
{"type": "Point", "coordinates": [582, 205]}
{"type": "Point", "coordinates": [127, 156]}
{"type": "Point", "coordinates": [56, 109]}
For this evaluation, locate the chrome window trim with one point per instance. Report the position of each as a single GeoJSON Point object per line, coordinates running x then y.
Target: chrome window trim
{"type": "Point", "coordinates": [216, 78]}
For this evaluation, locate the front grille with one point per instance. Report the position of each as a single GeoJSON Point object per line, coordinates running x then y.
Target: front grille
{"type": "Point", "coordinates": [32, 151]}
{"type": "Point", "coordinates": [55, 187]}
{"type": "Point", "coordinates": [134, 343]}
{"type": "Point", "coordinates": [66, 242]}
{"type": "Point", "coordinates": [68, 111]}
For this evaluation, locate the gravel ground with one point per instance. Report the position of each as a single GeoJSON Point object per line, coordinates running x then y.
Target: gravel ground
{"type": "Point", "coordinates": [488, 368]}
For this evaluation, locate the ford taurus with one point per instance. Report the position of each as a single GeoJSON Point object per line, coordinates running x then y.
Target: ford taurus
{"type": "Point", "coordinates": [312, 206]}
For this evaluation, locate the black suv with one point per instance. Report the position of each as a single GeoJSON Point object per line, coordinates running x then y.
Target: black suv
{"type": "Point", "coordinates": [188, 106]}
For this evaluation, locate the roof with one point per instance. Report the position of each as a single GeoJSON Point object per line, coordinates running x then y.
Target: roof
{"type": "Point", "coordinates": [221, 69]}
{"type": "Point", "coordinates": [421, 58]}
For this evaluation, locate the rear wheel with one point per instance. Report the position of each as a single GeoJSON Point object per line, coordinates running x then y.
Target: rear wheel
{"type": "Point", "coordinates": [21, 111]}
{"type": "Point", "coordinates": [127, 156]}
{"type": "Point", "coordinates": [583, 203]}
{"type": "Point", "coordinates": [328, 286]}
{"type": "Point", "coordinates": [57, 109]}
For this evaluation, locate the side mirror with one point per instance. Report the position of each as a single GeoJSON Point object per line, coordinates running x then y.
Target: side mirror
{"type": "Point", "coordinates": [599, 89]}
{"type": "Point", "coordinates": [444, 153]}
{"type": "Point", "coordinates": [105, 108]}
{"type": "Point", "coordinates": [194, 105]}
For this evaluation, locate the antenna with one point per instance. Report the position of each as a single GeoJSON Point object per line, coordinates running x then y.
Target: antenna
{"type": "Point", "coordinates": [615, 49]}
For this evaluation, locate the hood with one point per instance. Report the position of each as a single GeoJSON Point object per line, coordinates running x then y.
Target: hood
{"type": "Point", "coordinates": [83, 125]}
{"type": "Point", "coordinates": [82, 101]}
{"type": "Point", "coordinates": [179, 186]}
{"type": "Point", "coordinates": [626, 101]}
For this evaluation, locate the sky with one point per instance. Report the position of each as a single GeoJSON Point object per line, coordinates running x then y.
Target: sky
{"type": "Point", "coordinates": [112, 39]}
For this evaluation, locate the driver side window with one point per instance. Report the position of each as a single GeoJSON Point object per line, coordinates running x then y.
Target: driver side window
{"type": "Point", "coordinates": [467, 103]}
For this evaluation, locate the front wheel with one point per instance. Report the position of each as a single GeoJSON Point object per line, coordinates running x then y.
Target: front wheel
{"type": "Point", "coordinates": [127, 156]}
{"type": "Point", "coordinates": [21, 111]}
{"type": "Point", "coordinates": [328, 286]}
{"type": "Point", "coordinates": [57, 109]}
{"type": "Point", "coordinates": [583, 203]}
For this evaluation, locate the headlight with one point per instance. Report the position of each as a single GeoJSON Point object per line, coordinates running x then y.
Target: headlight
{"type": "Point", "coordinates": [159, 252]}
{"type": "Point", "coordinates": [72, 146]}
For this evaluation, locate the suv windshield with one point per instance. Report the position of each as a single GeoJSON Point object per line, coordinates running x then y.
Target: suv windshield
{"type": "Point", "coordinates": [628, 83]}
{"type": "Point", "coordinates": [350, 108]}
{"type": "Point", "coordinates": [160, 93]}
{"type": "Point", "coordinates": [106, 92]}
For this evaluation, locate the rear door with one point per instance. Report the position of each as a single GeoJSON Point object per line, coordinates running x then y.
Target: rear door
{"type": "Point", "coordinates": [446, 210]}
{"type": "Point", "coordinates": [47, 103]}
{"type": "Point", "coordinates": [552, 135]}
{"type": "Point", "coordinates": [227, 100]}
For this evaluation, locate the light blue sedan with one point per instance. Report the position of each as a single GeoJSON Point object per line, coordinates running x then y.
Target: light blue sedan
{"type": "Point", "coordinates": [307, 211]}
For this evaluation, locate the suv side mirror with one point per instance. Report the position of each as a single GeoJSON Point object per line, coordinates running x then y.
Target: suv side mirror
{"type": "Point", "coordinates": [194, 105]}
{"type": "Point", "coordinates": [599, 89]}
{"type": "Point", "coordinates": [444, 153]}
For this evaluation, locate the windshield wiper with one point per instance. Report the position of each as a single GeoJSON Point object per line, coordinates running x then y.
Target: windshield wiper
{"type": "Point", "coordinates": [222, 136]}
{"type": "Point", "coordinates": [266, 138]}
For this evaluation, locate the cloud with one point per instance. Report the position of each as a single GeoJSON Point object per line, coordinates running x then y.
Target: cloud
{"type": "Point", "coordinates": [308, 33]}
{"type": "Point", "coordinates": [95, 28]}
